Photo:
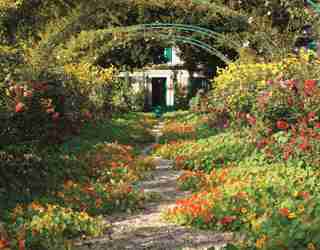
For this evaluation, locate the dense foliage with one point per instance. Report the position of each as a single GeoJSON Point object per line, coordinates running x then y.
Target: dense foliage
{"type": "Point", "coordinates": [257, 175]}
{"type": "Point", "coordinates": [66, 156]}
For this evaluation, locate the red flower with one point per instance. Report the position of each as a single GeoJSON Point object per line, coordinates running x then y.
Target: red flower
{"type": "Point", "coordinates": [311, 116]}
{"type": "Point", "coordinates": [262, 143]}
{"type": "Point", "coordinates": [284, 211]}
{"type": "Point", "coordinates": [3, 243]}
{"type": "Point", "coordinates": [22, 245]}
{"type": "Point", "coordinates": [270, 82]}
{"type": "Point", "coordinates": [227, 220]}
{"type": "Point", "coordinates": [87, 115]}
{"type": "Point", "coordinates": [291, 83]}
{"type": "Point", "coordinates": [129, 189]}
{"type": "Point", "coordinates": [114, 164]}
{"type": "Point", "coordinates": [251, 119]}
{"type": "Point", "coordinates": [282, 124]}
{"type": "Point", "coordinates": [309, 86]}
{"type": "Point", "coordinates": [317, 125]}
{"type": "Point", "coordinates": [304, 145]}
{"type": "Point", "coordinates": [20, 107]}
{"type": "Point", "coordinates": [304, 195]}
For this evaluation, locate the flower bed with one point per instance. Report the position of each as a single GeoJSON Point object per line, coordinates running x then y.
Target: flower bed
{"type": "Point", "coordinates": [49, 226]}
{"type": "Point", "coordinates": [89, 178]}
{"type": "Point", "coordinates": [259, 178]}
{"type": "Point", "coordinates": [206, 154]}
{"type": "Point", "coordinates": [275, 207]}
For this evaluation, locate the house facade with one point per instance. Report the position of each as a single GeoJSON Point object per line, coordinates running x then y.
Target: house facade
{"type": "Point", "coordinates": [161, 81]}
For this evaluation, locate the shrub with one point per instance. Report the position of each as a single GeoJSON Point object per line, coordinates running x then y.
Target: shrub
{"type": "Point", "coordinates": [191, 180]}
{"type": "Point", "coordinates": [50, 226]}
{"type": "Point", "coordinates": [237, 87]}
{"type": "Point", "coordinates": [181, 100]}
{"type": "Point", "coordinates": [101, 198]}
{"type": "Point", "coordinates": [25, 172]}
{"type": "Point", "coordinates": [287, 115]}
{"type": "Point", "coordinates": [113, 162]}
{"type": "Point", "coordinates": [32, 112]}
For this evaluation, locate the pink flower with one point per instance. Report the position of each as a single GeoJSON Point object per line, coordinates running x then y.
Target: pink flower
{"type": "Point", "coordinates": [270, 82]}
{"type": "Point", "coordinates": [27, 93]}
{"type": "Point", "coordinates": [55, 116]}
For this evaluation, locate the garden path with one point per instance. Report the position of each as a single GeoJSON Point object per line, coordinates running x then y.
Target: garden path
{"type": "Point", "coordinates": [147, 229]}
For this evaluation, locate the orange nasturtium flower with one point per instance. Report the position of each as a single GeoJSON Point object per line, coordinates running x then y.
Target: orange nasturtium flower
{"type": "Point", "coordinates": [261, 241]}
{"type": "Point", "coordinates": [284, 211]}
{"type": "Point", "coordinates": [3, 243]}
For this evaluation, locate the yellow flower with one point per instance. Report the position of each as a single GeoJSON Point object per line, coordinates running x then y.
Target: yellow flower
{"type": "Point", "coordinates": [292, 216]}
{"type": "Point", "coordinates": [36, 206]}
{"type": "Point", "coordinates": [18, 210]}
{"type": "Point", "coordinates": [300, 208]}
{"type": "Point", "coordinates": [243, 210]}
{"type": "Point", "coordinates": [311, 246]}
{"type": "Point", "coordinates": [261, 242]}
{"type": "Point", "coordinates": [83, 216]}
{"type": "Point", "coordinates": [255, 225]}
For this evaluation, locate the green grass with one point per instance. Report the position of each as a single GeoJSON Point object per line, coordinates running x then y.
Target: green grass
{"type": "Point", "coordinates": [130, 129]}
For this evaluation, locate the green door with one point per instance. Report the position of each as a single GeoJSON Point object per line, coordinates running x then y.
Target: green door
{"type": "Point", "coordinates": [159, 91]}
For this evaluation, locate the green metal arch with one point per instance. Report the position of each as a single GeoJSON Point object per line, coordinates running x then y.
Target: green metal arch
{"type": "Point", "coordinates": [185, 39]}
{"type": "Point", "coordinates": [192, 28]}
{"type": "Point", "coordinates": [195, 42]}
{"type": "Point", "coordinates": [315, 6]}
{"type": "Point", "coordinates": [179, 27]}
{"type": "Point", "coordinates": [200, 45]}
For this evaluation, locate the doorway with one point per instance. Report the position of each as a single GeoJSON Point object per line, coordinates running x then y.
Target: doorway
{"type": "Point", "coordinates": [159, 91]}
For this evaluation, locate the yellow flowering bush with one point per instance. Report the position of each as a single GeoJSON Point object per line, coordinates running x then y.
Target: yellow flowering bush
{"type": "Point", "coordinates": [238, 83]}
{"type": "Point", "coordinates": [49, 226]}
{"type": "Point", "coordinates": [90, 76]}
{"type": "Point", "coordinates": [237, 86]}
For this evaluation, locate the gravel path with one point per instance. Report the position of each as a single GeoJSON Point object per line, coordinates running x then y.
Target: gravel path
{"type": "Point", "coordinates": [147, 229]}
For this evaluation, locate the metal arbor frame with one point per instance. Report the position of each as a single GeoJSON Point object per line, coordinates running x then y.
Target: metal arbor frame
{"type": "Point", "coordinates": [184, 39]}
{"type": "Point", "coordinates": [315, 6]}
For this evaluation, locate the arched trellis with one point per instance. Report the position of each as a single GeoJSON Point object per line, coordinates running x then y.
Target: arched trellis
{"type": "Point", "coordinates": [165, 27]}
{"type": "Point", "coordinates": [199, 44]}
{"type": "Point", "coordinates": [315, 6]}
